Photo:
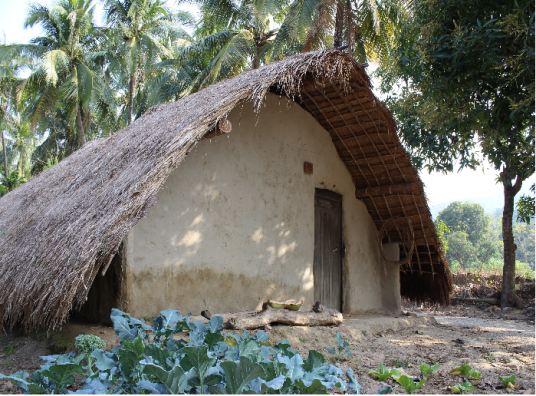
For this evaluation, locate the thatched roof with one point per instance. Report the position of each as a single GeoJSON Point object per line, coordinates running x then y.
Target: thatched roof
{"type": "Point", "coordinates": [62, 227]}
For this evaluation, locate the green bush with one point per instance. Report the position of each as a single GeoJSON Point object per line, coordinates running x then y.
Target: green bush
{"type": "Point", "coordinates": [151, 360]}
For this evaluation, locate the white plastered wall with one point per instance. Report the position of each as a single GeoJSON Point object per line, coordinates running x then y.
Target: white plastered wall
{"type": "Point", "coordinates": [234, 224]}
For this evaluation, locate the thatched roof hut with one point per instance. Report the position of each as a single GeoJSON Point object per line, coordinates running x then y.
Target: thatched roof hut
{"type": "Point", "coordinates": [64, 226]}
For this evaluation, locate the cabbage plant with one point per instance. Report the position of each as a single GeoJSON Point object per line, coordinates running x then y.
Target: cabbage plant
{"type": "Point", "coordinates": [154, 359]}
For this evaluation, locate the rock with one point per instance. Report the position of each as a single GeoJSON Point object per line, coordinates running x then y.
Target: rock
{"type": "Point", "coordinates": [528, 311]}
{"type": "Point", "coordinates": [506, 309]}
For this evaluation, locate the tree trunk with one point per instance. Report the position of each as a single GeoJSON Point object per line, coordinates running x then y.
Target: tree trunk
{"type": "Point", "coordinates": [492, 301]}
{"type": "Point", "coordinates": [508, 294]}
{"type": "Point", "coordinates": [349, 27]}
{"type": "Point", "coordinates": [256, 60]}
{"type": "Point", "coordinates": [339, 25]}
{"type": "Point", "coordinates": [131, 87]}
{"type": "Point", "coordinates": [5, 158]}
{"type": "Point", "coordinates": [80, 126]}
{"type": "Point", "coordinates": [319, 316]}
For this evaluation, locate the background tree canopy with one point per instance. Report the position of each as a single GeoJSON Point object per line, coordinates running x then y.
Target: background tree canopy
{"type": "Point", "coordinates": [465, 75]}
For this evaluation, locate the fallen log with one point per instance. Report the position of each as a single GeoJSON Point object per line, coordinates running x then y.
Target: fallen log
{"type": "Point", "coordinates": [492, 301]}
{"type": "Point", "coordinates": [319, 316]}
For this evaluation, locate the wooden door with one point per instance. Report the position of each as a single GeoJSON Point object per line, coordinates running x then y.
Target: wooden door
{"type": "Point", "coordinates": [327, 266]}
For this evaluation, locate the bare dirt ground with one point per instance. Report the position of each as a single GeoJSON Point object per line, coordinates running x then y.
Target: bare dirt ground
{"type": "Point", "coordinates": [488, 339]}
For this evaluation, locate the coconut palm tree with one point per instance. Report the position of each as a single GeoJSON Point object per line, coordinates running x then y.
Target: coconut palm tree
{"type": "Point", "coordinates": [142, 31]}
{"type": "Point", "coordinates": [366, 27]}
{"type": "Point", "coordinates": [231, 37]}
{"type": "Point", "coordinates": [64, 56]}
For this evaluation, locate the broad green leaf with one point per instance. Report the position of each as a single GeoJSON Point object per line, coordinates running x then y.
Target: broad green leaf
{"type": "Point", "coordinates": [153, 388]}
{"type": "Point", "coordinates": [262, 336]}
{"type": "Point", "coordinates": [131, 354]}
{"type": "Point", "coordinates": [406, 382]}
{"type": "Point", "coordinates": [165, 319]}
{"type": "Point", "coordinates": [213, 379]}
{"type": "Point", "coordinates": [103, 360]}
{"type": "Point", "coordinates": [383, 372]}
{"type": "Point", "coordinates": [462, 388]}
{"type": "Point", "coordinates": [283, 347]}
{"type": "Point", "coordinates": [466, 371]}
{"type": "Point", "coordinates": [331, 350]}
{"type": "Point", "coordinates": [316, 388]}
{"type": "Point", "coordinates": [142, 324]}
{"type": "Point", "coordinates": [294, 366]}
{"type": "Point", "coordinates": [19, 378]}
{"type": "Point", "coordinates": [249, 349]}
{"type": "Point", "coordinates": [352, 381]}
{"type": "Point", "coordinates": [266, 390]}
{"type": "Point", "coordinates": [215, 324]}
{"type": "Point", "coordinates": [426, 369]}
{"type": "Point", "coordinates": [237, 375]}
{"type": "Point", "coordinates": [121, 325]}
{"type": "Point", "coordinates": [197, 358]}
{"type": "Point", "coordinates": [385, 390]}
{"type": "Point", "coordinates": [62, 374]}
{"type": "Point", "coordinates": [136, 345]}
{"type": "Point", "coordinates": [396, 374]}
{"type": "Point", "coordinates": [314, 360]}
{"type": "Point", "coordinates": [212, 339]}
{"type": "Point", "coordinates": [36, 389]}
{"type": "Point", "coordinates": [159, 355]}
{"type": "Point", "coordinates": [175, 380]}
{"type": "Point", "coordinates": [420, 384]}
{"type": "Point", "coordinates": [509, 380]}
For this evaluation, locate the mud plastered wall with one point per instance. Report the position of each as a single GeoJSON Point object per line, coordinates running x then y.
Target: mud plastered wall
{"type": "Point", "coordinates": [234, 224]}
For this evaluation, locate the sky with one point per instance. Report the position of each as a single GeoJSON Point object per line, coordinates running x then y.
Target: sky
{"type": "Point", "coordinates": [464, 185]}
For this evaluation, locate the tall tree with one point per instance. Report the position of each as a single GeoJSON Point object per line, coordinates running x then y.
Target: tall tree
{"type": "Point", "coordinates": [366, 26]}
{"type": "Point", "coordinates": [467, 217]}
{"type": "Point", "coordinates": [63, 76]}
{"type": "Point", "coordinates": [141, 28]}
{"type": "Point", "coordinates": [232, 37]}
{"type": "Point", "coordinates": [467, 72]}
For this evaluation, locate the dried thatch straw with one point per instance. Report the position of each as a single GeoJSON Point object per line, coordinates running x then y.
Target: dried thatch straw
{"type": "Point", "coordinates": [62, 226]}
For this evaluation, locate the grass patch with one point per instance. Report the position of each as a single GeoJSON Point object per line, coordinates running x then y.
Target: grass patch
{"type": "Point", "coordinates": [9, 348]}
{"type": "Point", "coordinates": [59, 342]}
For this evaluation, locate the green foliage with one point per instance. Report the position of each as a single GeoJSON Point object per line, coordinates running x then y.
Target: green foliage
{"type": "Point", "coordinates": [385, 390]}
{"type": "Point", "coordinates": [466, 371]}
{"type": "Point", "coordinates": [461, 249]}
{"type": "Point", "coordinates": [8, 348]}
{"type": "Point", "coordinates": [426, 369]}
{"type": "Point", "coordinates": [507, 381]}
{"type": "Point", "coordinates": [85, 344]}
{"type": "Point", "coordinates": [525, 207]}
{"type": "Point", "coordinates": [13, 181]}
{"type": "Point", "coordinates": [466, 82]}
{"type": "Point", "coordinates": [409, 384]}
{"type": "Point", "coordinates": [442, 229]}
{"type": "Point", "coordinates": [151, 360]}
{"type": "Point", "coordinates": [466, 217]}
{"type": "Point", "coordinates": [341, 350]}
{"type": "Point", "coordinates": [462, 388]}
{"type": "Point", "coordinates": [383, 373]}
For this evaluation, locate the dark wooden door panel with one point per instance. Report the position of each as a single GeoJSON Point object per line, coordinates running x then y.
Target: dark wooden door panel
{"type": "Point", "coordinates": [327, 265]}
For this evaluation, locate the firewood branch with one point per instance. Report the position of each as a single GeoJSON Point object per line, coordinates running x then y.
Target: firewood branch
{"type": "Point", "coordinates": [318, 316]}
